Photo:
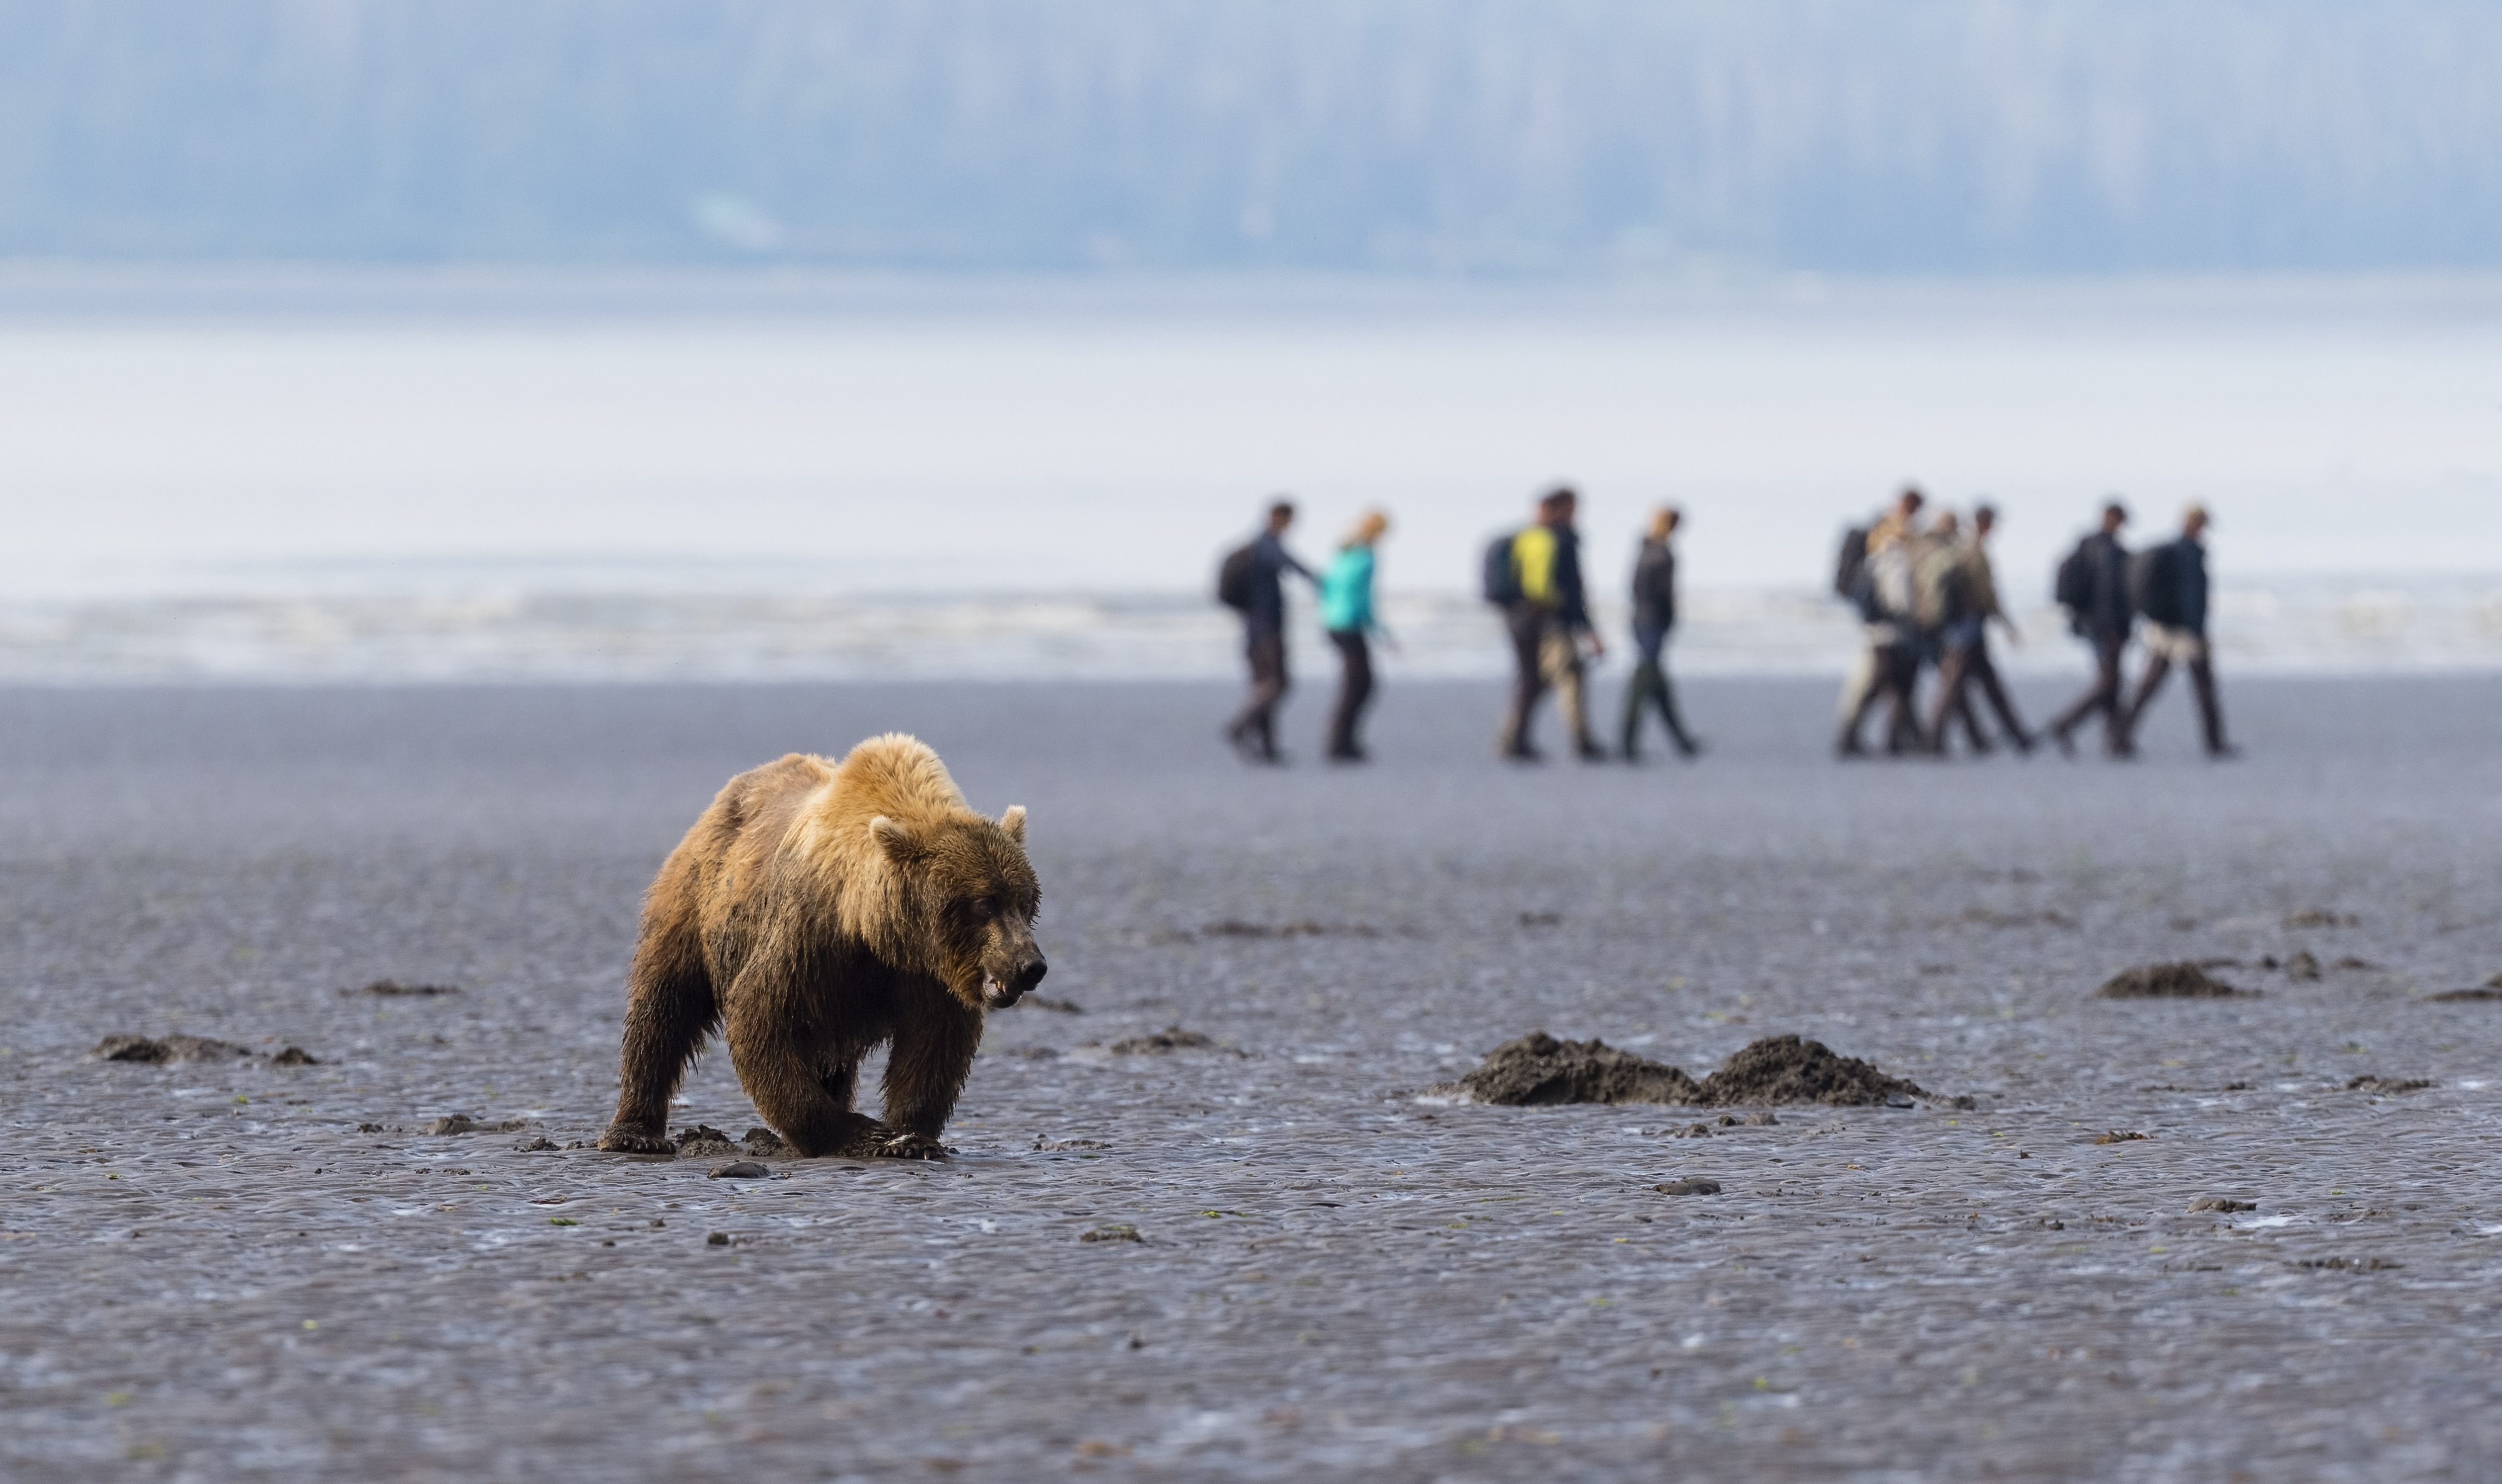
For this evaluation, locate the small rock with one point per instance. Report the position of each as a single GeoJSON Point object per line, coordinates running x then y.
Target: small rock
{"type": "Point", "coordinates": [2118, 1136]}
{"type": "Point", "coordinates": [392, 987]}
{"type": "Point", "coordinates": [738, 1169]}
{"type": "Point", "coordinates": [1056, 1146]}
{"type": "Point", "coordinates": [2302, 966]}
{"type": "Point", "coordinates": [2221, 1203]}
{"type": "Point", "coordinates": [1694, 1185]}
{"type": "Point", "coordinates": [1691, 1131]}
{"type": "Point", "coordinates": [717, 1239]}
{"type": "Point", "coordinates": [1117, 1231]}
{"type": "Point", "coordinates": [294, 1055]}
{"type": "Point", "coordinates": [534, 1146]}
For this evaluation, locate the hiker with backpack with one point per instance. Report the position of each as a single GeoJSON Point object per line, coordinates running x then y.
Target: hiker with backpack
{"type": "Point", "coordinates": [2093, 586]}
{"type": "Point", "coordinates": [1875, 574]}
{"type": "Point", "coordinates": [1962, 591]}
{"type": "Point", "coordinates": [2170, 584]}
{"type": "Point", "coordinates": [1347, 617]}
{"type": "Point", "coordinates": [1654, 615]}
{"type": "Point", "coordinates": [1535, 576]}
{"type": "Point", "coordinates": [1251, 581]}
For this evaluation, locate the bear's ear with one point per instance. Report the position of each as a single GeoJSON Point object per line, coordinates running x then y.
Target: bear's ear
{"type": "Point", "coordinates": [1013, 821]}
{"type": "Point", "coordinates": [896, 840]}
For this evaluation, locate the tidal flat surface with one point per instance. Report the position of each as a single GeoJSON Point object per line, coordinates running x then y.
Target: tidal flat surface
{"type": "Point", "coordinates": [240, 1270]}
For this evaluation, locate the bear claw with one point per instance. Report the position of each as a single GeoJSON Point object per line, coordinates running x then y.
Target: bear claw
{"type": "Point", "coordinates": [909, 1146]}
{"type": "Point", "coordinates": [627, 1141]}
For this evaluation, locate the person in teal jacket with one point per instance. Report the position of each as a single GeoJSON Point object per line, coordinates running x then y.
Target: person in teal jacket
{"type": "Point", "coordinates": [1346, 613]}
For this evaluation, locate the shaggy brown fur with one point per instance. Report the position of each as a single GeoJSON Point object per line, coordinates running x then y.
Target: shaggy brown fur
{"type": "Point", "coordinates": [815, 911]}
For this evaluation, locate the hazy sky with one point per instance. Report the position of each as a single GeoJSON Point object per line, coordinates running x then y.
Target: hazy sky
{"type": "Point", "coordinates": [1487, 136]}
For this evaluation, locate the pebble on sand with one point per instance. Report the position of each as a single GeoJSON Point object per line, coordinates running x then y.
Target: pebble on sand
{"type": "Point", "coordinates": [1694, 1185]}
{"type": "Point", "coordinates": [738, 1169]}
{"type": "Point", "coordinates": [1116, 1232]}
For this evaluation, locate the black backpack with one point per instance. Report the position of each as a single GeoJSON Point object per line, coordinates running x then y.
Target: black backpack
{"type": "Point", "coordinates": [2151, 590]}
{"type": "Point", "coordinates": [2073, 587]}
{"type": "Point", "coordinates": [1233, 576]}
{"type": "Point", "coordinates": [1502, 575]}
{"type": "Point", "coordinates": [1851, 563]}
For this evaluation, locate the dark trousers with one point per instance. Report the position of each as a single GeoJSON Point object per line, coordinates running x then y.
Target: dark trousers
{"type": "Point", "coordinates": [1255, 726]}
{"type": "Point", "coordinates": [1546, 656]}
{"type": "Point", "coordinates": [1650, 687]}
{"type": "Point", "coordinates": [1354, 693]}
{"type": "Point", "coordinates": [2202, 678]}
{"type": "Point", "coordinates": [2104, 698]}
{"type": "Point", "coordinates": [1895, 680]}
{"type": "Point", "coordinates": [1962, 670]}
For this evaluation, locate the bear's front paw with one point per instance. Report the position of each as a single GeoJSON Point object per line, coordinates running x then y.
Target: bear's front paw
{"type": "Point", "coordinates": [911, 1146]}
{"type": "Point", "coordinates": [634, 1141]}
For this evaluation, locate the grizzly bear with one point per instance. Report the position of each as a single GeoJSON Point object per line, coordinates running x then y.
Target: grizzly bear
{"type": "Point", "coordinates": [815, 910]}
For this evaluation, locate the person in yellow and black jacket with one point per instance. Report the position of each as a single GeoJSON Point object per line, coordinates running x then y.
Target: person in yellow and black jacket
{"type": "Point", "coordinates": [1537, 578]}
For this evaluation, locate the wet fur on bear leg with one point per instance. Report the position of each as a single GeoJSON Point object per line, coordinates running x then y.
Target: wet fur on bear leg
{"type": "Point", "coordinates": [669, 1011]}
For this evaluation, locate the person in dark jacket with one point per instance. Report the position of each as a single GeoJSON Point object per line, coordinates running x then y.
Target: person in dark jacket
{"type": "Point", "coordinates": [1254, 728]}
{"type": "Point", "coordinates": [1654, 615]}
{"type": "Point", "coordinates": [2101, 618]}
{"type": "Point", "coordinates": [2173, 596]}
{"type": "Point", "coordinates": [1550, 628]}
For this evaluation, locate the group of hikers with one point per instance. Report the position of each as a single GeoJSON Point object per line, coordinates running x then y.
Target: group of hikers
{"type": "Point", "coordinates": [1926, 596]}
{"type": "Point", "coordinates": [1922, 587]}
{"type": "Point", "coordinates": [1534, 575]}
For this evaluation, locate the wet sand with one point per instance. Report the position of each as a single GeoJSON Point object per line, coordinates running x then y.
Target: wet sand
{"type": "Point", "coordinates": [214, 1270]}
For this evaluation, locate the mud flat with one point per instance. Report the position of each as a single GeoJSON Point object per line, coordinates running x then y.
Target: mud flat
{"type": "Point", "coordinates": [2174, 1238]}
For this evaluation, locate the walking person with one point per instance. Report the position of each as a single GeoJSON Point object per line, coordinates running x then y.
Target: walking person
{"type": "Point", "coordinates": [1347, 616]}
{"type": "Point", "coordinates": [1965, 664]}
{"type": "Point", "coordinates": [2093, 585]}
{"type": "Point", "coordinates": [1654, 615]}
{"type": "Point", "coordinates": [1536, 575]}
{"type": "Point", "coordinates": [1875, 574]}
{"type": "Point", "coordinates": [2171, 594]}
{"type": "Point", "coordinates": [1251, 581]}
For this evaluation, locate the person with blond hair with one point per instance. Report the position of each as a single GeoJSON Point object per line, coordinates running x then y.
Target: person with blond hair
{"type": "Point", "coordinates": [1654, 615]}
{"type": "Point", "coordinates": [1347, 616]}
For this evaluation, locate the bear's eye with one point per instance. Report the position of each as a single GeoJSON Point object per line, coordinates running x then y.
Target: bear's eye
{"type": "Point", "coordinates": [982, 909]}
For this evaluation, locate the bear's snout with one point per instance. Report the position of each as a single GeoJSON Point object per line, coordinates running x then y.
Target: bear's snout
{"type": "Point", "coordinates": [1005, 986]}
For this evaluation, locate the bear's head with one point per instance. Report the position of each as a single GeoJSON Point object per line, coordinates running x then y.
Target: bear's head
{"type": "Point", "coordinates": [981, 897]}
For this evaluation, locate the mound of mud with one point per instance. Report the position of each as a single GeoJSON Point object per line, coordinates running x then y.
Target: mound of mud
{"type": "Point", "coordinates": [2167, 981]}
{"type": "Point", "coordinates": [1169, 1039]}
{"type": "Point", "coordinates": [1786, 1069]}
{"type": "Point", "coordinates": [703, 1142]}
{"type": "Point", "coordinates": [1538, 1069]}
{"type": "Point", "coordinates": [2382, 1086]}
{"type": "Point", "coordinates": [156, 1051]}
{"type": "Point", "coordinates": [2488, 991]}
